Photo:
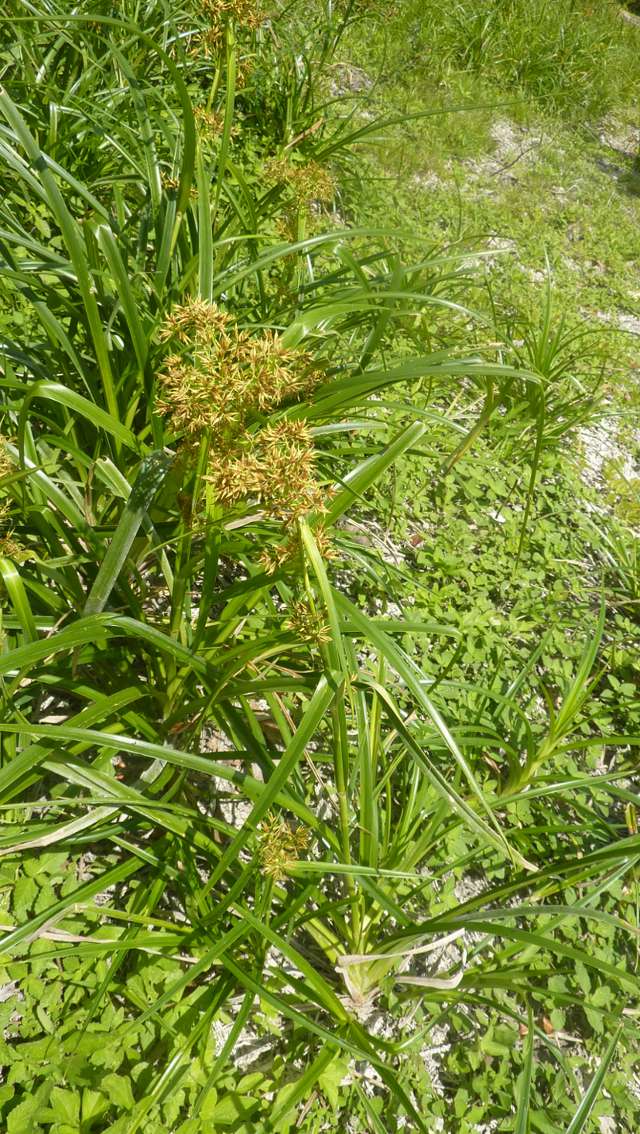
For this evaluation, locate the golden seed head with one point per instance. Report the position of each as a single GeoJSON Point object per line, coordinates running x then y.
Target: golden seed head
{"type": "Point", "coordinates": [215, 379]}
{"type": "Point", "coordinates": [281, 846]}
{"type": "Point", "coordinates": [11, 548]}
{"type": "Point", "coordinates": [195, 319]}
{"type": "Point", "coordinates": [325, 543]}
{"type": "Point", "coordinates": [308, 624]}
{"type": "Point", "coordinates": [219, 374]}
{"type": "Point", "coordinates": [193, 399]}
{"type": "Point", "coordinates": [6, 461]}
{"type": "Point", "coordinates": [288, 553]}
{"type": "Point", "coordinates": [281, 555]}
{"type": "Point", "coordinates": [211, 124]}
{"type": "Point", "coordinates": [210, 120]}
{"type": "Point", "coordinates": [306, 183]}
{"type": "Point", "coordinates": [246, 14]}
{"type": "Point", "coordinates": [276, 467]}
{"type": "Point", "coordinates": [171, 184]}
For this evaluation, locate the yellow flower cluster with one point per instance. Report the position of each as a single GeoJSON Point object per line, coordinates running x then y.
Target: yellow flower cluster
{"type": "Point", "coordinates": [210, 120]}
{"type": "Point", "coordinates": [216, 380]}
{"type": "Point", "coordinates": [306, 183]}
{"type": "Point", "coordinates": [276, 468]}
{"type": "Point", "coordinates": [280, 846]}
{"type": "Point", "coordinates": [211, 125]}
{"type": "Point", "coordinates": [171, 184]}
{"type": "Point", "coordinates": [11, 548]}
{"type": "Point", "coordinates": [308, 624]}
{"type": "Point", "coordinates": [6, 463]}
{"type": "Point", "coordinates": [275, 557]}
{"type": "Point", "coordinates": [245, 14]}
{"type": "Point", "coordinates": [222, 374]}
{"type": "Point", "coordinates": [197, 319]}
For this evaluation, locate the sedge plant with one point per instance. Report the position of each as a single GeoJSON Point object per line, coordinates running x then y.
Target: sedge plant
{"type": "Point", "coordinates": [247, 777]}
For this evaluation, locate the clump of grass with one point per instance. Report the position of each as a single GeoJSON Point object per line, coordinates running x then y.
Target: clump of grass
{"type": "Point", "coordinates": [573, 56]}
{"type": "Point", "coordinates": [154, 670]}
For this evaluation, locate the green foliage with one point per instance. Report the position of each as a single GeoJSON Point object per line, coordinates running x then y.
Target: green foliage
{"type": "Point", "coordinates": [269, 841]}
{"type": "Point", "coordinates": [572, 55]}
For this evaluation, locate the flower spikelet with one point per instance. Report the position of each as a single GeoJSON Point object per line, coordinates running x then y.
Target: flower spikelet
{"type": "Point", "coordinates": [280, 846]}
{"type": "Point", "coordinates": [325, 543]}
{"type": "Point", "coordinates": [11, 548]}
{"type": "Point", "coordinates": [171, 184]}
{"type": "Point", "coordinates": [276, 468]}
{"type": "Point", "coordinates": [308, 624]}
{"type": "Point", "coordinates": [211, 122]}
{"type": "Point", "coordinates": [306, 183]}
{"type": "Point", "coordinates": [278, 373]}
{"type": "Point", "coordinates": [281, 555]}
{"type": "Point", "coordinates": [189, 396]}
{"type": "Point", "coordinates": [246, 14]}
{"type": "Point", "coordinates": [6, 463]}
{"type": "Point", "coordinates": [218, 375]}
{"type": "Point", "coordinates": [288, 553]}
{"type": "Point", "coordinates": [197, 319]}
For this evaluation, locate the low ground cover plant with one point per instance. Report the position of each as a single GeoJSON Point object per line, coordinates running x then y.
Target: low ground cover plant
{"type": "Point", "coordinates": [281, 816]}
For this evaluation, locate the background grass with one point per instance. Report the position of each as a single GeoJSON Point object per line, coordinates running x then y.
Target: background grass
{"type": "Point", "coordinates": [573, 57]}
